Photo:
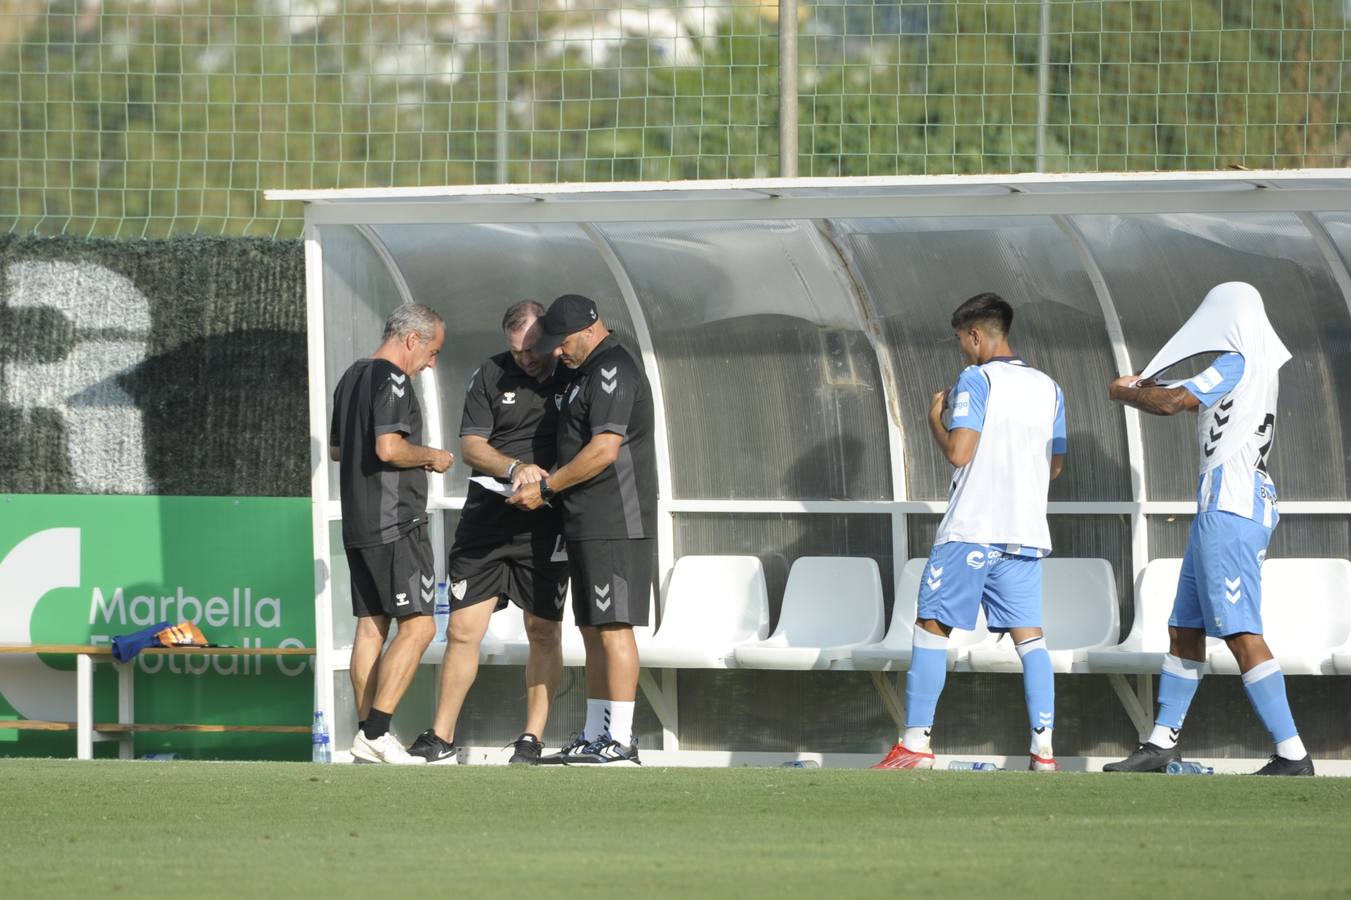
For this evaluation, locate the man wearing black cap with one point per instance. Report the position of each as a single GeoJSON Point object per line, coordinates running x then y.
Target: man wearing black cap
{"type": "Point", "coordinates": [607, 484]}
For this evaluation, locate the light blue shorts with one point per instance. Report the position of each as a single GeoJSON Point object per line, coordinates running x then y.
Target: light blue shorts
{"type": "Point", "coordinates": [961, 578]}
{"type": "Point", "coordinates": [1220, 587]}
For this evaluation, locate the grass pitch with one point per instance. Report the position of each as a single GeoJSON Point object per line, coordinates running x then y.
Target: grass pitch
{"type": "Point", "coordinates": [180, 829]}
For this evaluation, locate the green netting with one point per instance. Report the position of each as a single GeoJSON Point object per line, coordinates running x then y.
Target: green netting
{"type": "Point", "coordinates": [145, 118]}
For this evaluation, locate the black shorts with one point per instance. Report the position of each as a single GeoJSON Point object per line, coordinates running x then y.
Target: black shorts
{"type": "Point", "coordinates": [611, 580]}
{"type": "Point", "coordinates": [530, 570]}
{"type": "Point", "coordinates": [397, 579]}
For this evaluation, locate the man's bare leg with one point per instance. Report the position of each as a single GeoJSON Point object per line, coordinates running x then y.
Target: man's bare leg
{"type": "Point", "coordinates": [543, 670]}
{"type": "Point", "coordinates": [400, 661]}
{"type": "Point", "coordinates": [459, 667]}
{"type": "Point", "coordinates": [370, 640]}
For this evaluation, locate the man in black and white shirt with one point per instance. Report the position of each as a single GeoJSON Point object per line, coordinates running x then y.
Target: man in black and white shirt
{"type": "Point", "coordinates": [607, 484]}
{"type": "Point", "coordinates": [503, 554]}
{"type": "Point", "coordinates": [376, 437]}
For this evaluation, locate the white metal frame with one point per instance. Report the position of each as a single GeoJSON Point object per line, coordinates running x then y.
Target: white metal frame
{"type": "Point", "coordinates": [1059, 197]}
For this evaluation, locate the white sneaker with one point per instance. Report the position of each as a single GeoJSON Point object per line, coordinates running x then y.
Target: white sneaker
{"type": "Point", "coordinates": [384, 749]}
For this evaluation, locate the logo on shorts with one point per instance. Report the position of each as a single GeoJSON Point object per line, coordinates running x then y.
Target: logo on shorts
{"type": "Point", "coordinates": [975, 559]}
{"type": "Point", "coordinates": [560, 595]}
{"type": "Point", "coordinates": [428, 588]}
{"type": "Point", "coordinates": [1231, 589]}
{"type": "Point", "coordinates": [401, 599]}
{"type": "Point", "coordinates": [603, 599]}
{"type": "Point", "coordinates": [509, 398]}
{"type": "Point", "coordinates": [935, 579]}
{"type": "Point", "coordinates": [457, 588]}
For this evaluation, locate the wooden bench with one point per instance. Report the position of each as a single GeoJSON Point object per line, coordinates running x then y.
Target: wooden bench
{"type": "Point", "coordinates": [87, 731]}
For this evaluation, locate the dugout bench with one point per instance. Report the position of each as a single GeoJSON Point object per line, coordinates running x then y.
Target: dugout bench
{"type": "Point", "coordinates": [87, 731]}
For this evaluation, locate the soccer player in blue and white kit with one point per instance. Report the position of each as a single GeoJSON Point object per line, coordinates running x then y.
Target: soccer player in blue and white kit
{"type": "Point", "coordinates": [1219, 591]}
{"type": "Point", "coordinates": [1003, 427]}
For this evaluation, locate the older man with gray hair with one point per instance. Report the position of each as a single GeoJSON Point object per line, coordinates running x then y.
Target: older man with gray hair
{"type": "Point", "coordinates": [376, 437]}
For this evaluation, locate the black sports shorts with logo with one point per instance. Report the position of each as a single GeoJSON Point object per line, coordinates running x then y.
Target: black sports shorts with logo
{"type": "Point", "coordinates": [397, 579]}
{"type": "Point", "coordinates": [611, 580]}
{"type": "Point", "coordinates": [528, 569]}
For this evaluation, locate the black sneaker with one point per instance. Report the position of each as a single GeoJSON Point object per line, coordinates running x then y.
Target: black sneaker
{"type": "Point", "coordinates": [1146, 758]}
{"type": "Point", "coordinates": [527, 750]}
{"type": "Point", "coordinates": [434, 750]}
{"type": "Point", "coordinates": [567, 754]}
{"type": "Point", "coordinates": [1279, 765]}
{"type": "Point", "coordinates": [604, 751]}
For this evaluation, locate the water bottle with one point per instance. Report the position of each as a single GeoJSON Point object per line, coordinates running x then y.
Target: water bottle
{"type": "Point", "coordinates": [441, 611]}
{"type": "Point", "coordinates": [1187, 767]}
{"type": "Point", "coordinates": [963, 765]}
{"type": "Point", "coordinates": [322, 750]}
{"type": "Point", "coordinates": [800, 764]}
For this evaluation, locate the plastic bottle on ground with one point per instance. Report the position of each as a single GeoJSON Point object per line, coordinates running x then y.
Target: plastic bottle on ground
{"type": "Point", "coordinates": [966, 765]}
{"type": "Point", "coordinates": [1187, 767]}
{"type": "Point", "coordinates": [322, 749]}
{"type": "Point", "coordinates": [800, 764]}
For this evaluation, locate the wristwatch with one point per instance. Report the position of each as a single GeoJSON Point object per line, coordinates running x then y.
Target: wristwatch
{"type": "Point", "coordinates": [546, 493]}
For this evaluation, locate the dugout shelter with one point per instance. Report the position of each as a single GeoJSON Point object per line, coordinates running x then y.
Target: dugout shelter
{"type": "Point", "coordinates": [793, 331]}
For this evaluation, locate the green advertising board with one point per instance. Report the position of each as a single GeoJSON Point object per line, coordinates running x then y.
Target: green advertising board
{"type": "Point", "coordinates": [83, 569]}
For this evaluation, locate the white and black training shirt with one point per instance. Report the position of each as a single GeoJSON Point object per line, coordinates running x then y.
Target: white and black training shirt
{"type": "Point", "coordinates": [518, 416]}
{"type": "Point", "coordinates": [380, 502]}
{"type": "Point", "coordinates": [610, 394]}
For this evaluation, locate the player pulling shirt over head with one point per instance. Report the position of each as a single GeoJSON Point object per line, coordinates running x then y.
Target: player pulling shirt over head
{"type": "Point", "coordinates": [1219, 590]}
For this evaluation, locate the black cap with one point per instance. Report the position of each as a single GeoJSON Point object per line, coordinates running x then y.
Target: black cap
{"type": "Point", "coordinates": [567, 315]}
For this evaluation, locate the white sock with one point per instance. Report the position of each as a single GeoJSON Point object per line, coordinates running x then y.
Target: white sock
{"type": "Point", "coordinates": [1164, 737]}
{"type": "Point", "coordinates": [1291, 748]}
{"type": "Point", "coordinates": [595, 718]}
{"type": "Point", "coordinates": [917, 738]}
{"type": "Point", "coordinates": [621, 721]}
{"type": "Point", "coordinates": [1041, 744]}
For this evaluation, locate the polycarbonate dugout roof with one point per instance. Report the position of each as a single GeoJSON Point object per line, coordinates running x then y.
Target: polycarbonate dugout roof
{"type": "Point", "coordinates": [1306, 190]}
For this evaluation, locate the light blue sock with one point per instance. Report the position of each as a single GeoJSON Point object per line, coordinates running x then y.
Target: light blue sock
{"type": "Point", "coordinates": [928, 672]}
{"type": "Point", "coordinates": [1038, 684]}
{"type": "Point", "coordinates": [1266, 690]}
{"type": "Point", "coordinates": [1177, 686]}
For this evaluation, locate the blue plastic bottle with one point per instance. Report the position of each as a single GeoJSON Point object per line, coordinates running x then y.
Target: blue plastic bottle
{"type": "Point", "coordinates": [800, 764]}
{"type": "Point", "coordinates": [322, 749]}
{"type": "Point", "coordinates": [964, 765]}
{"type": "Point", "coordinates": [441, 611]}
{"type": "Point", "coordinates": [1187, 767]}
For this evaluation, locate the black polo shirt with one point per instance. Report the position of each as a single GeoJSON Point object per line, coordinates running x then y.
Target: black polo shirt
{"type": "Point", "coordinates": [610, 394]}
{"type": "Point", "coordinates": [519, 418]}
{"type": "Point", "coordinates": [380, 502]}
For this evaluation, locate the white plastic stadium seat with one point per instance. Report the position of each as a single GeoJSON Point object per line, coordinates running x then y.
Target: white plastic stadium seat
{"type": "Point", "coordinates": [1143, 649]}
{"type": "Point", "coordinates": [506, 628]}
{"type": "Point", "coordinates": [1079, 613]}
{"type": "Point", "coordinates": [1306, 617]}
{"type": "Point", "coordinates": [506, 644]}
{"type": "Point", "coordinates": [892, 654]}
{"type": "Point", "coordinates": [831, 605]}
{"type": "Point", "coordinates": [713, 604]}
